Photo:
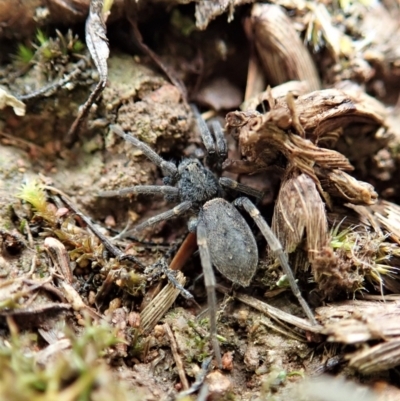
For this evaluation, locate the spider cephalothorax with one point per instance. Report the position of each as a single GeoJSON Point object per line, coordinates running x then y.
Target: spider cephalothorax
{"type": "Point", "coordinates": [196, 183]}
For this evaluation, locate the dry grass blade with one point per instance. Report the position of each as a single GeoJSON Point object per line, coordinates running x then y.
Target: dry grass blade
{"type": "Point", "coordinates": [388, 215]}
{"type": "Point", "coordinates": [177, 357]}
{"type": "Point", "coordinates": [363, 216]}
{"type": "Point", "coordinates": [359, 321]}
{"type": "Point", "coordinates": [303, 151]}
{"type": "Point", "coordinates": [378, 358]}
{"type": "Point", "coordinates": [282, 53]}
{"type": "Point", "coordinates": [273, 312]}
{"type": "Point", "coordinates": [35, 311]}
{"type": "Point", "coordinates": [356, 322]}
{"type": "Point", "coordinates": [76, 301]}
{"type": "Point", "coordinates": [207, 10]}
{"type": "Point", "coordinates": [318, 118]}
{"type": "Point", "coordinates": [354, 331]}
{"type": "Point", "coordinates": [52, 351]}
{"type": "Point", "coordinates": [322, 112]}
{"type": "Point", "coordinates": [160, 305]}
{"type": "Point", "coordinates": [60, 258]}
{"type": "Point", "coordinates": [282, 329]}
{"type": "Point", "coordinates": [342, 185]}
{"type": "Point", "coordinates": [7, 99]}
{"type": "Point", "coordinates": [257, 132]}
{"type": "Point", "coordinates": [157, 60]}
{"type": "Point", "coordinates": [96, 38]}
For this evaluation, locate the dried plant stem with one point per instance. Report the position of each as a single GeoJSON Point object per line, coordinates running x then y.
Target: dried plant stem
{"type": "Point", "coordinates": [177, 357]}
{"type": "Point", "coordinates": [273, 312]}
{"type": "Point", "coordinates": [157, 308]}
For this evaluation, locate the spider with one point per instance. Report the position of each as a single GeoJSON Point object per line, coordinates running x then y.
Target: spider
{"type": "Point", "coordinates": [224, 238]}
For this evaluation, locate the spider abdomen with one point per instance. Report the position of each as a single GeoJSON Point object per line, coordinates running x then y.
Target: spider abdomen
{"type": "Point", "coordinates": [232, 246]}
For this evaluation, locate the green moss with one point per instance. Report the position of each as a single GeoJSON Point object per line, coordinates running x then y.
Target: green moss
{"type": "Point", "coordinates": [33, 193]}
{"type": "Point", "coordinates": [45, 50]}
{"type": "Point", "coordinates": [183, 23]}
{"type": "Point", "coordinates": [24, 55]}
{"type": "Point", "coordinates": [78, 374]}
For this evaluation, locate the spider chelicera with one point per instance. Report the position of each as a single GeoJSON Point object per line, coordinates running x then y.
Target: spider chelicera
{"type": "Point", "coordinates": [223, 236]}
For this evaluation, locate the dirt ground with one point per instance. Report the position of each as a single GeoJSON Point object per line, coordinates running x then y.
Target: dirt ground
{"type": "Point", "coordinates": [78, 322]}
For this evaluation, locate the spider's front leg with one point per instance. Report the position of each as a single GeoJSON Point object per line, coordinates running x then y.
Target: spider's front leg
{"type": "Point", "coordinates": [277, 249]}
{"type": "Point", "coordinates": [176, 211]}
{"type": "Point", "coordinates": [210, 283]}
{"type": "Point", "coordinates": [216, 146]}
{"type": "Point", "coordinates": [237, 186]}
{"type": "Point", "coordinates": [168, 168]}
{"type": "Point", "coordinates": [166, 190]}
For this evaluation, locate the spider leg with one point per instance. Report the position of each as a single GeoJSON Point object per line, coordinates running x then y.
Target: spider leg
{"type": "Point", "coordinates": [237, 186]}
{"type": "Point", "coordinates": [220, 141]}
{"type": "Point", "coordinates": [215, 145]}
{"type": "Point", "coordinates": [167, 168]}
{"type": "Point", "coordinates": [142, 189]}
{"type": "Point", "coordinates": [161, 267]}
{"type": "Point", "coordinates": [209, 280]}
{"type": "Point", "coordinates": [277, 249]}
{"type": "Point", "coordinates": [205, 133]}
{"type": "Point", "coordinates": [96, 231]}
{"type": "Point", "coordinates": [169, 214]}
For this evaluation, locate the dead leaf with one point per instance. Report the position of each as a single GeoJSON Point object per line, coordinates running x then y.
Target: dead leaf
{"type": "Point", "coordinates": [97, 43]}
{"type": "Point", "coordinates": [9, 100]}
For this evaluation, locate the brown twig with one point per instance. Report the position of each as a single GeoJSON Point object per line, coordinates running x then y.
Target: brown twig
{"type": "Point", "coordinates": [186, 250]}
{"type": "Point", "coordinates": [106, 241]}
{"type": "Point", "coordinates": [177, 357]}
{"type": "Point", "coordinates": [156, 59]}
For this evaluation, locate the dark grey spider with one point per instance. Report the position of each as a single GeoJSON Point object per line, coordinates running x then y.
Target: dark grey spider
{"type": "Point", "coordinates": [223, 236]}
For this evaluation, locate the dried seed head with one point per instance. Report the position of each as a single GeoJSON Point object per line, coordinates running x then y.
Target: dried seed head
{"type": "Point", "coordinates": [340, 184]}
{"type": "Point", "coordinates": [283, 55]}
{"type": "Point", "coordinates": [355, 255]}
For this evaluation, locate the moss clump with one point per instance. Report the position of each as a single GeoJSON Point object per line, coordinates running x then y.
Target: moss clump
{"type": "Point", "coordinates": [75, 374]}
{"type": "Point", "coordinates": [33, 193]}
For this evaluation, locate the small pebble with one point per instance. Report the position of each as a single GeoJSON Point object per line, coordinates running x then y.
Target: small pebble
{"type": "Point", "coordinates": [218, 384]}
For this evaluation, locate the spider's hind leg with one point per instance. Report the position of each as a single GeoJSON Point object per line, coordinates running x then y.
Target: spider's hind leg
{"type": "Point", "coordinates": [220, 141]}
{"type": "Point", "coordinates": [277, 249]}
{"type": "Point", "coordinates": [210, 283]}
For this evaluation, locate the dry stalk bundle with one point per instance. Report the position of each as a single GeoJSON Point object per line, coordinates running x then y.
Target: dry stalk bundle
{"type": "Point", "coordinates": [159, 306]}
{"type": "Point", "coordinates": [388, 216]}
{"type": "Point", "coordinates": [356, 322]}
{"type": "Point", "coordinates": [298, 129]}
